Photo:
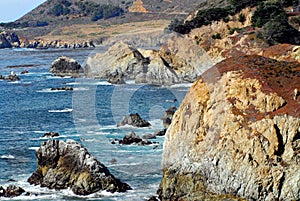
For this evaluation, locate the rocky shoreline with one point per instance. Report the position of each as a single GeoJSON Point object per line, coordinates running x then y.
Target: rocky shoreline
{"type": "Point", "coordinates": [11, 40]}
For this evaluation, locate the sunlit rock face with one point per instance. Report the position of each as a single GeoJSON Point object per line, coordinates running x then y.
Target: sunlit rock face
{"type": "Point", "coordinates": [236, 135]}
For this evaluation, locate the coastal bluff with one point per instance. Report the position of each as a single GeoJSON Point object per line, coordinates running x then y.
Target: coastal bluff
{"type": "Point", "coordinates": [236, 135]}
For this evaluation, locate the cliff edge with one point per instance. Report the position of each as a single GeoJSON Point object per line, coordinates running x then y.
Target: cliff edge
{"type": "Point", "coordinates": [236, 134]}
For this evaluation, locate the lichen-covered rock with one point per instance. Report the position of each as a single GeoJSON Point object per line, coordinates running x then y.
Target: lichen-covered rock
{"type": "Point", "coordinates": [64, 66]}
{"type": "Point", "coordinates": [68, 164]}
{"type": "Point", "coordinates": [236, 134]}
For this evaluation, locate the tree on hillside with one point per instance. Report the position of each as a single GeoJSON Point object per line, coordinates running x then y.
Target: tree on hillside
{"type": "Point", "coordinates": [272, 18]}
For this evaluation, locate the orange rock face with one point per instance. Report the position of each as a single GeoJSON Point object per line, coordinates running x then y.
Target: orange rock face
{"type": "Point", "coordinates": [236, 135]}
{"type": "Point", "coordinates": [137, 7]}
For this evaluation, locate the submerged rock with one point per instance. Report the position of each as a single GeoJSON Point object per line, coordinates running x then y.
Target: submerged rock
{"type": "Point", "coordinates": [68, 164]}
{"type": "Point", "coordinates": [134, 120]}
{"type": "Point", "coordinates": [51, 134]}
{"type": "Point", "coordinates": [64, 66]}
{"type": "Point", "coordinates": [236, 135]}
{"type": "Point", "coordinates": [62, 89]}
{"type": "Point", "coordinates": [11, 191]}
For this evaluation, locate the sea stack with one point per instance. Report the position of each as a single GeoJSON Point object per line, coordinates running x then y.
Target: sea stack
{"type": "Point", "coordinates": [63, 165]}
{"type": "Point", "coordinates": [236, 135]}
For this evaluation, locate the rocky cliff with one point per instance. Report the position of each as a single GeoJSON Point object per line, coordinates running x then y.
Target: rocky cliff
{"type": "Point", "coordinates": [181, 58]}
{"type": "Point", "coordinates": [236, 134]}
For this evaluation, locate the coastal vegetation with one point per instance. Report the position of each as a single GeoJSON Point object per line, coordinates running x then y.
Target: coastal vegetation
{"type": "Point", "coordinates": [270, 18]}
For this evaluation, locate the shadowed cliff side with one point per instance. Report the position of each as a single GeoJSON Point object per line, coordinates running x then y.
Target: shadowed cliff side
{"type": "Point", "coordinates": [236, 135]}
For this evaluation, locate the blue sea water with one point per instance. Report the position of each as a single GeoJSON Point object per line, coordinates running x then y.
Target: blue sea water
{"type": "Point", "coordinates": [88, 115]}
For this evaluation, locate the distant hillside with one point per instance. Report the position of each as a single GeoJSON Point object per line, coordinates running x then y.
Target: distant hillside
{"type": "Point", "coordinates": [54, 14]}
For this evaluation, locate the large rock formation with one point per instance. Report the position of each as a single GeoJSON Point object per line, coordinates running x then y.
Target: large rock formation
{"type": "Point", "coordinates": [68, 164]}
{"type": "Point", "coordinates": [236, 134]}
{"type": "Point", "coordinates": [64, 66]}
{"type": "Point", "coordinates": [143, 66]}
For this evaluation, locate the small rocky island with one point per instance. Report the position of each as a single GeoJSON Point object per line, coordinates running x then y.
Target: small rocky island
{"type": "Point", "coordinates": [63, 165]}
{"type": "Point", "coordinates": [65, 66]}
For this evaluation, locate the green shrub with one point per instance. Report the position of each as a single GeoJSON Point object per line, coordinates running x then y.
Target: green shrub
{"type": "Point", "coordinates": [242, 18]}
{"type": "Point", "coordinates": [238, 5]}
{"type": "Point", "coordinates": [106, 11]}
{"type": "Point", "coordinates": [66, 3]}
{"type": "Point", "coordinates": [216, 36]}
{"type": "Point", "coordinates": [265, 12]}
{"type": "Point", "coordinates": [57, 10]}
{"type": "Point", "coordinates": [278, 30]}
{"type": "Point", "coordinates": [204, 17]}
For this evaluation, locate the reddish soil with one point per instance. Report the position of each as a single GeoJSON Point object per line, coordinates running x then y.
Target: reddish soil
{"type": "Point", "coordinates": [278, 77]}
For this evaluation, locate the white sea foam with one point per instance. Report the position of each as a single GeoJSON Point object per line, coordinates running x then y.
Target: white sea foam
{"type": "Point", "coordinates": [130, 81]}
{"type": "Point", "coordinates": [7, 157]}
{"type": "Point", "coordinates": [33, 148]}
{"type": "Point", "coordinates": [61, 111]}
{"type": "Point", "coordinates": [15, 82]}
{"type": "Point", "coordinates": [92, 83]}
{"type": "Point", "coordinates": [182, 85]}
{"type": "Point", "coordinates": [58, 77]}
{"type": "Point", "coordinates": [39, 131]}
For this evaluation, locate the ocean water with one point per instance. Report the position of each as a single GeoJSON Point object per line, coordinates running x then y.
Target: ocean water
{"type": "Point", "coordinates": [88, 115]}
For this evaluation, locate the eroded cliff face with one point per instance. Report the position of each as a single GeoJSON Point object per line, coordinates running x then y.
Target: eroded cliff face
{"type": "Point", "coordinates": [236, 135]}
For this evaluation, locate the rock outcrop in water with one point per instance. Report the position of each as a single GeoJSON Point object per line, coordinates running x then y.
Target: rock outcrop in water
{"type": "Point", "coordinates": [134, 120]}
{"type": "Point", "coordinates": [132, 138]}
{"type": "Point", "coordinates": [11, 191]}
{"type": "Point", "coordinates": [63, 165]}
{"type": "Point", "coordinates": [64, 66]}
{"type": "Point", "coordinates": [12, 77]}
{"type": "Point", "coordinates": [236, 134]}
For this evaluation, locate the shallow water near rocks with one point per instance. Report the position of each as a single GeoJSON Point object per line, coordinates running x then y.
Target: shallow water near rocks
{"type": "Point", "coordinates": [88, 115]}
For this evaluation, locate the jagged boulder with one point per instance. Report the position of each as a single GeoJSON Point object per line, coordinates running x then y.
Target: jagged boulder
{"type": "Point", "coordinates": [68, 164]}
{"type": "Point", "coordinates": [236, 135]}
{"type": "Point", "coordinates": [64, 66]}
{"type": "Point", "coordinates": [134, 120]}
